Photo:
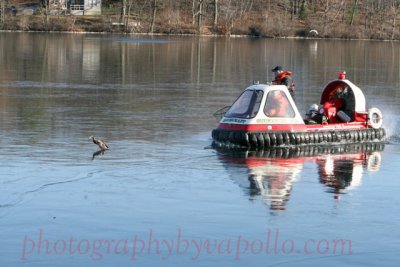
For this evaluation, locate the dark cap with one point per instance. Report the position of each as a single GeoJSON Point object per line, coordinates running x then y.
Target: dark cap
{"type": "Point", "coordinates": [277, 68]}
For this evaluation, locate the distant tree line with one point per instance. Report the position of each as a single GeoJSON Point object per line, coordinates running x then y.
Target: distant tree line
{"type": "Point", "coordinates": [371, 19]}
{"type": "Point", "coordinates": [376, 19]}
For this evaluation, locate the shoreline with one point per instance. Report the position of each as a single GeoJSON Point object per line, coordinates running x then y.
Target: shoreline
{"type": "Point", "coordinates": [198, 35]}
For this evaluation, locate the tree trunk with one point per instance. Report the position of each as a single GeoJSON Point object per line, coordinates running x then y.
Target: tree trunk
{"type": "Point", "coordinates": [194, 11]}
{"type": "Point", "coordinates": [129, 6]}
{"type": "Point", "coordinates": [47, 13]}
{"type": "Point", "coordinates": [153, 18]}
{"type": "Point", "coordinates": [200, 14]}
{"type": "Point", "coordinates": [3, 4]}
{"type": "Point", "coordinates": [302, 11]}
{"type": "Point", "coordinates": [326, 16]}
{"type": "Point", "coordinates": [215, 13]}
{"type": "Point", "coordinates": [354, 12]}
{"type": "Point", "coordinates": [293, 10]}
{"type": "Point", "coordinates": [123, 12]}
{"type": "Point", "coordinates": [394, 22]}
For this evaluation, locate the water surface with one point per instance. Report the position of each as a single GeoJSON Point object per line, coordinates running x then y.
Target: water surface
{"type": "Point", "coordinates": [160, 196]}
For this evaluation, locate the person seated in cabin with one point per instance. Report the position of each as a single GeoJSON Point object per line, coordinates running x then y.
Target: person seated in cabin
{"type": "Point", "coordinates": [283, 77]}
{"type": "Point", "coordinates": [340, 107]}
{"type": "Point", "coordinates": [277, 105]}
{"type": "Point", "coordinates": [332, 106]}
{"type": "Point", "coordinates": [346, 112]}
{"type": "Point", "coordinates": [313, 115]}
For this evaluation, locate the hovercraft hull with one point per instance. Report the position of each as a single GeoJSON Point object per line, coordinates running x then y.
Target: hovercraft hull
{"type": "Point", "coordinates": [269, 139]}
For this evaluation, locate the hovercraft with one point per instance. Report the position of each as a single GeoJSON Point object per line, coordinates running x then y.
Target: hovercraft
{"type": "Point", "coordinates": [265, 115]}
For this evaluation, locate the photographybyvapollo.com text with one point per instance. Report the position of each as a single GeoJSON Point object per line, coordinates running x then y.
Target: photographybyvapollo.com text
{"type": "Point", "coordinates": [150, 243]}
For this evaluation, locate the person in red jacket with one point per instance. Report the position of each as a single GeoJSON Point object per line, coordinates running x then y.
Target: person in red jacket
{"type": "Point", "coordinates": [283, 77]}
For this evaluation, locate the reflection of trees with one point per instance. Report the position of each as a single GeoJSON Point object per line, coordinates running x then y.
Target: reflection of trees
{"type": "Point", "coordinates": [65, 57]}
{"type": "Point", "coordinates": [271, 173]}
{"type": "Point", "coordinates": [94, 77]}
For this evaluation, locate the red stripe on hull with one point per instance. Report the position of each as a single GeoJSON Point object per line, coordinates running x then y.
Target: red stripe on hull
{"type": "Point", "coordinates": [293, 127]}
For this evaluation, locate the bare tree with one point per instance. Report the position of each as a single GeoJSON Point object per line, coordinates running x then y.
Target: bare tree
{"type": "Point", "coordinates": [245, 6]}
{"type": "Point", "coordinates": [123, 11]}
{"type": "Point", "coordinates": [153, 17]}
{"type": "Point", "coordinates": [129, 7]}
{"type": "Point", "coordinates": [2, 11]}
{"type": "Point", "coordinates": [198, 13]}
{"type": "Point", "coordinates": [367, 10]}
{"type": "Point", "coordinates": [194, 11]}
{"type": "Point", "coordinates": [215, 13]}
{"type": "Point", "coordinates": [394, 14]}
{"type": "Point", "coordinates": [353, 12]}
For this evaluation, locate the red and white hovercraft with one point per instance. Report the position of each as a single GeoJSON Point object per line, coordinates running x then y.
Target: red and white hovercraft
{"type": "Point", "coordinates": [266, 116]}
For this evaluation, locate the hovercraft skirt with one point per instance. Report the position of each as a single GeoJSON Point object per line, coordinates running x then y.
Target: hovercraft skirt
{"type": "Point", "coordinates": [228, 138]}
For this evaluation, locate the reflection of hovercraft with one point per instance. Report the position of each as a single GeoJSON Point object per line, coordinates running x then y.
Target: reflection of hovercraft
{"type": "Point", "coordinates": [271, 172]}
{"type": "Point", "coordinates": [268, 177]}
{"type": "Point", "coordinates": [301, 151]}
{"type": "Point", "coordinates": [345, 171]}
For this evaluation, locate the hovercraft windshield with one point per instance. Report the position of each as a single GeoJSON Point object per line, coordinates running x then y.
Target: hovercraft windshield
{"type": "Point", "coordinates": [247, 105]}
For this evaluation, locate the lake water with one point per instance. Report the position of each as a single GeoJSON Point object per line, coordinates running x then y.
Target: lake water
{"type": "Point", "coordinates": [160, 196]}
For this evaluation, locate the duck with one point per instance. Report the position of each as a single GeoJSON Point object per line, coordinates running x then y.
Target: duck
{"type": "Point", "coordinates": [102, 145]}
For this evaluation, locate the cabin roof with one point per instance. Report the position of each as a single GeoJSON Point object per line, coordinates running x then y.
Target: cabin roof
{"type": "Point", "coordinates": [274, 106]}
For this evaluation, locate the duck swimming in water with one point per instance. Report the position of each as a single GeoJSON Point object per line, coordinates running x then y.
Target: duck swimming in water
{"type": "Point", "coordinates": [102, 145]}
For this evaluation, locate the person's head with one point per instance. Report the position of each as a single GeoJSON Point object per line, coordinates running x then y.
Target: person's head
{"type": "Point", "coordinates": [277, 70]}
{"type": "Point", "coordinates": [339, 91]}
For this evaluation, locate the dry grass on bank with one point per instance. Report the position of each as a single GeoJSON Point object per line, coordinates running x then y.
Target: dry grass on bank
{"type": "Point", "coordinates": [267, 26]}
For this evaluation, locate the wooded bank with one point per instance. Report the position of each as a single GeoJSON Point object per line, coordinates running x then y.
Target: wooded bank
{"type": "Point", "coordinates": [347, 19]}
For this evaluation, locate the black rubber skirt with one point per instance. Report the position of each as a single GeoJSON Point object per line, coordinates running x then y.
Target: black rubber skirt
{"type": "Point", "coordinates": [260, 140]}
